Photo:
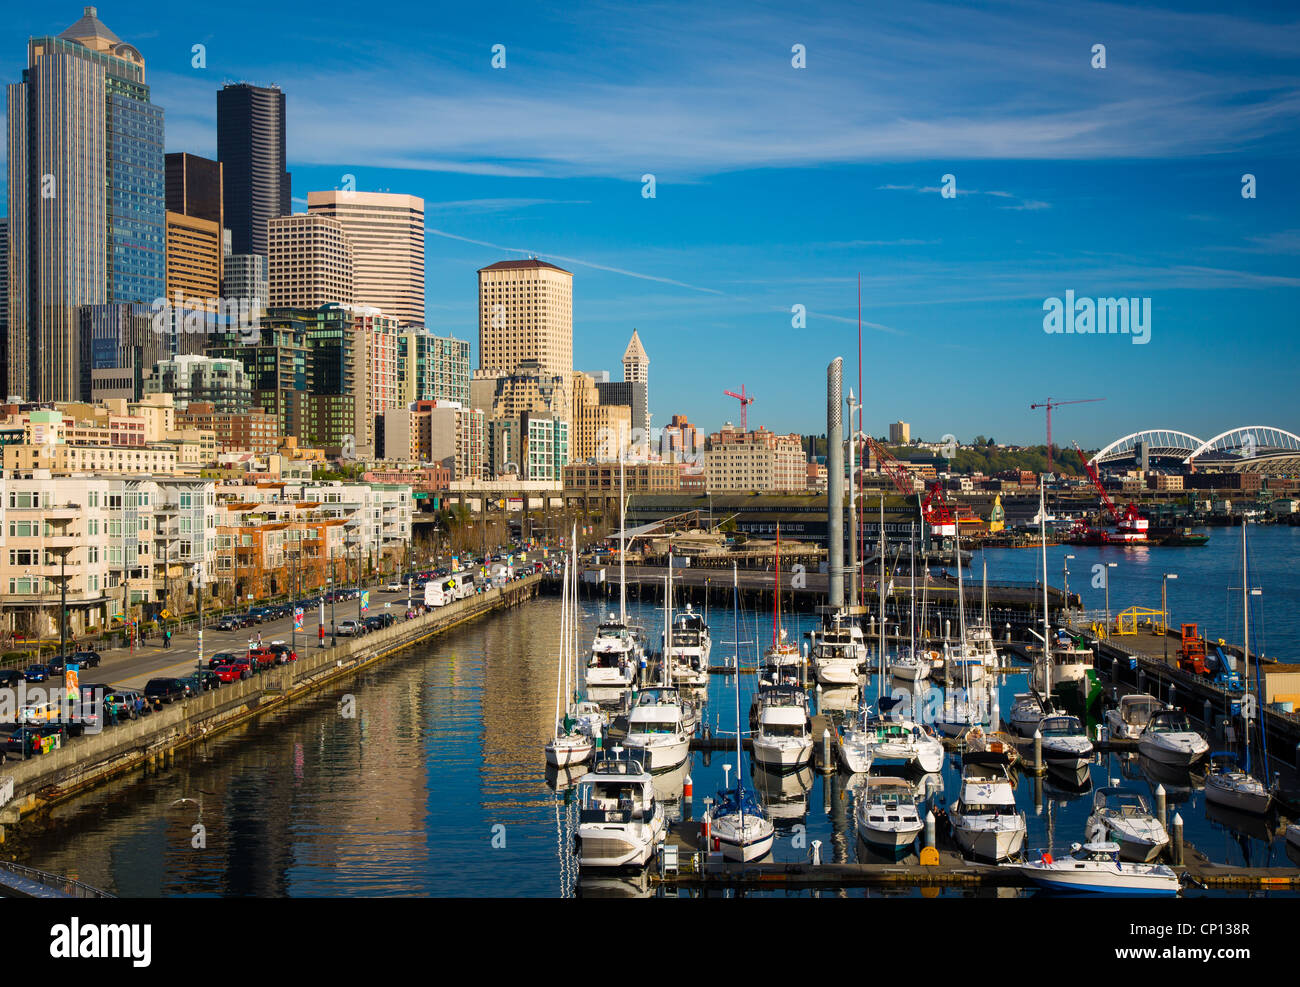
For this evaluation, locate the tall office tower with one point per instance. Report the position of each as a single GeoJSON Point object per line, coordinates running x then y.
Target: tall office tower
{"type": "Point", "coordinates": [87, 208]}
{"type": "Point", "coordinates": [386, 231]}
{"type": "Point", "coordinates": [244, 276]}
{"type": "Point", "coordinates": [195, 235]}
{"type": "Point", "coordinates": [433, 368]}
{"type": "Point", "coordinates": [309, 263]}
{"type": "Point", "coordinates": [599, 430]}
{"type": "Point", "coordinates": [250, 147]}
{"type": "Point", "coordinates": [525, 310]}
{"type": "Point", "coordinates": [4, 304]}
{"type": "Point", "coordinates": [636, 371]}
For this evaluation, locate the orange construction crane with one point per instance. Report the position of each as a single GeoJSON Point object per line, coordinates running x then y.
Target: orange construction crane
{"type": "Point", "coordinates": [1049, 404]}
{"type": "Point", "coordinates": [745, 401]}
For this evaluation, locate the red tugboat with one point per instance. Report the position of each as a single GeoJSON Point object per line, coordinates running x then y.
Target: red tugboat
{"type": "Point", "coordinates": [1130, 526]}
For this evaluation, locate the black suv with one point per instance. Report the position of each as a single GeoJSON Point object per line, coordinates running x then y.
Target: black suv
{"type": "Point", "coordinates": [159, 691]}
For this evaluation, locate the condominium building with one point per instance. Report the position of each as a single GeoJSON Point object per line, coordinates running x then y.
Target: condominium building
{"type": "Point", "coordinates": [432, 367]}
{"type": "Point", "coordinates": [222, 383]}
{"type": "Point", "coordinates": [386, 231]}
{"type": "Point", "coordinates": [87, 211]}
{"type": "Point", "coordinates": [375, 343]}
{"type": "Point", "coordinates": [758, 460]}
{"type": "Point", "coordinates": [680, 441]}
{"type": "Point", "coordinates": [278, 364]}
{"type": "Point", "coordinates": [457, 438]}
{"type": "Point", "coordinates": [900, 433]}
{"type": "Point", "coordinates": [309, 261]}
{"type": "Point", "coordinates": [525, 314]}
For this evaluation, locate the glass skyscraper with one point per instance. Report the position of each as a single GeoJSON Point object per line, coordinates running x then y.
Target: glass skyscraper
{"type": "Point", "coordinates": [86, 199]}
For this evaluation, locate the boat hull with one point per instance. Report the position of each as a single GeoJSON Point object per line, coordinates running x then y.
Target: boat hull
{"type": "Point", "coordinates": [658, 756]}
{"type": "Point", "coordinates": [562, 755]}
{"type": "Point", "coordinates": [782, 757]}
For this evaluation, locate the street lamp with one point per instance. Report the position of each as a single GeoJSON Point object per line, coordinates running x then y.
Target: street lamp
{"type": "Point", "coordinates": [1164, 610]}
{"type": "Point", "coordinates": [1109, 565]}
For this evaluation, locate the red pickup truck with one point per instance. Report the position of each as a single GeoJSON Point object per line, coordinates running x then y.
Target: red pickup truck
{"type": "Point", "coordinates": [264, 657]}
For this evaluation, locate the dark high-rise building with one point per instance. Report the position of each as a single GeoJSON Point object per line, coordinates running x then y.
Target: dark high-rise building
{"type": "Point", "coordinates": [119, 347]}
{"type": "Point", "coordinates": [194, 187]}
{"type": "Point", "coordinates": [250, 147]}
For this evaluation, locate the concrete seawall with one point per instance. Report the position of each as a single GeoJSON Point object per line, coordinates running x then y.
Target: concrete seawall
{"type": "Point", "coordinates": [154, 740]}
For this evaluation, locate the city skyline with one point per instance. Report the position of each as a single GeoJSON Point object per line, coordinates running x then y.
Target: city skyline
{"type": "Point", "coordinates": [1081, 189]}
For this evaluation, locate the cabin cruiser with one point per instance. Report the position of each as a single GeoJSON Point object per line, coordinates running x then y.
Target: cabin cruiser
{"type": "Point", "coordinates": [1122, 817]}
{"type": "Point", "coordinates": [1170, 739]}
{"type": "Point", "coordinates": [1229, 786]}
{"type": "Point", "coordinates": [1096, 868]}
{"type": "Point", "coordinates": [783, 740]}
{"type": "Point", "coordinates": [835, 660]}
{"type": "Point", "coordinates": [620, 822]}
{"type": "Point", "coordinates": [1127, 720]}
{"type": "Point", "coordinates": [887, 815]}
{"type": "Point", "coordinates": [615, 655]}
{"type": "Point", "coordinates": [656, 731]}
{"type": "Point", "coordinates": [688, 649]}
{"type": "Point", "coordinates": [1027, 711]}
{"type": "Point", "coordinates": [1066, 747]}
{"type": "Point", "coordinates": [1070, 667]}
{"type": "Point", "coordinates": [898, 742]}
{"type": "Point", "coordinates": [985, 821]}
{"type": "Point", "coordinates": [838, 649]}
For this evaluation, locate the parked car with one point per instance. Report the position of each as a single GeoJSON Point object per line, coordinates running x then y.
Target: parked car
{"type": "Point", "coordinates": [224, 658]}
{"type": "Point", "coordinates": [124, 703]}
{"type": "Point", "coordinates": [346, 628]}
{"type": "Point", "coordinates": [199, 682]}
{"type": "Point", "coordinates": [37, 673]}
{"type": "Point", "coordinates": [28, 741]}
{"type": "Point", "coordinates": [87, 659]}
{"type": "Point", "coordinates": [262, 657]}
{"type": "Point", "coordinates": [165, 690]}
{"type": "Point", "coordinates": [36, 714]}
{"type": "Point", "coordinates": [250, 618]}
{"type": "Point", "coordinates": [10, 677]}
{"type": "Point", "coordinates": [229, 671]}
{"type": "Point", "coordinates": [247, 664]}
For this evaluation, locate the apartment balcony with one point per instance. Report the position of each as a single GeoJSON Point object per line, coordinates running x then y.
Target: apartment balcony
{"type": "Point", "coordinates": [61, 542]}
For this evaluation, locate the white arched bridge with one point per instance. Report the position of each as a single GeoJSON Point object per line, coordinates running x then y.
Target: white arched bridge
{"type": "Point", "coordinates": [1254, 448]}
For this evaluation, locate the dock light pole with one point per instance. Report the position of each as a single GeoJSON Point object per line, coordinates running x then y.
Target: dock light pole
{"type": "Point", "coordinates": [196, 573]}
{"type": "Point", "coordinates": [1065, 576]}
{"type": "Point", "coordinates": [1164, 610]}
{"type": "Point", "coordinates": [1109, 565]}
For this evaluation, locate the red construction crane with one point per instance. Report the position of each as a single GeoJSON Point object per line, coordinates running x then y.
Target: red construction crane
{"type": "Point", "coordinates": [1130, 526]}
{"type": "Point", "coordinates": [900, 474]}
{"type": "Point", "coordinates": [745, 402]}
{"type": "Point", "coordinates": [940, 518]}
{"type": "Point", "coordinates": [1049, 404]}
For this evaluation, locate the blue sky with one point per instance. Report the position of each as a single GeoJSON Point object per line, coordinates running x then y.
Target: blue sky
{"type": "Point", "coordinates": [777, 186]}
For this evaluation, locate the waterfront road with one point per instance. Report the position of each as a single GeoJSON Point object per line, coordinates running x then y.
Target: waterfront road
{"type": "Point", "coordinates": [126, 668]}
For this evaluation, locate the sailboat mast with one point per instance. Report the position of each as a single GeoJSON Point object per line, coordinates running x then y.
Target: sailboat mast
{"type": "Point", "coordinates": [735, 590]}
{"type": "Point", "coordinates": [881, 585]}
{"type": "Point", "coordinates": [911, 568]}
{"type": "Point", "coordinates": [560, 669]}
{"type": "Point", "coordinates": [1047, 630]}
{"type": "Point", "coordinates": [668, 623]}
{"type": "Point", "coordinates": [622, 548]}
{"type": "Point", "coordinates": [776, 589]}
{"type": "Point", "coordinates": [1245, 635]}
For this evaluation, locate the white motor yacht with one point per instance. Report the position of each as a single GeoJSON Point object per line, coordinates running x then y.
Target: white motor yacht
{"type": "Point", "coordinates": [689, 648]}
{"type": "Point", "coordinates": [620, 822]}
{"type": "Point", "coordinates": [1095, 868]}
{"type": "Point", "coordinates": [1127, 720]}
{"type": "Point", "coordinates": [783, 740]}
{"type": "Point", "coordinates": [887, 816]}
{"type": "Point", "coordinates": [985, 821]}
{"type": "Point", "coordinates": [898, 742]}
{"type": "Point", "coordinates": [1122, 817]}
{"type": "Point", "coordinates": [614, 655]}
{"type": "Point", "coordinates": [656, 731]}
{"type": "Point", "coordinates": [1066, 747]}
{"type": "Point", "coordinates": [1169, 739]}
{"type": "Point", "coordinates": [1027, 712]}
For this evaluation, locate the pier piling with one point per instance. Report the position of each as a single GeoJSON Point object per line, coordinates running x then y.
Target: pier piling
{"type": "Point", "coordinates": [1177, 840]}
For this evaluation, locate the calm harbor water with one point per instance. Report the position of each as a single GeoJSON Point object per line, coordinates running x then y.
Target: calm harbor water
{"type": "Point", "coordinates": [438, 786]}
{"type": "Point", "coordinates": [1207, 590]}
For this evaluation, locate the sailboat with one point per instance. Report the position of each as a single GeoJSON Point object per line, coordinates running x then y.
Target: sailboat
{"type": "Point", "coordinates": [1029, 709]}
{"type": "Point", "coordinates": [657, 726]}
{"type": "Point", "coordinates": [959, 713]}
{"type": "Point", "coordinates": [615, 650]}
{"type": "Point", "coordinates": [782, 659]}
{"type": "Point", "coordinates": [569, 745]}
{"type": "Point", "coordinates": [1232, 786]}
{"type": "Point", "coordinates": [737, 821]}
{"type": "Point", "coordinates": [911, 665]}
